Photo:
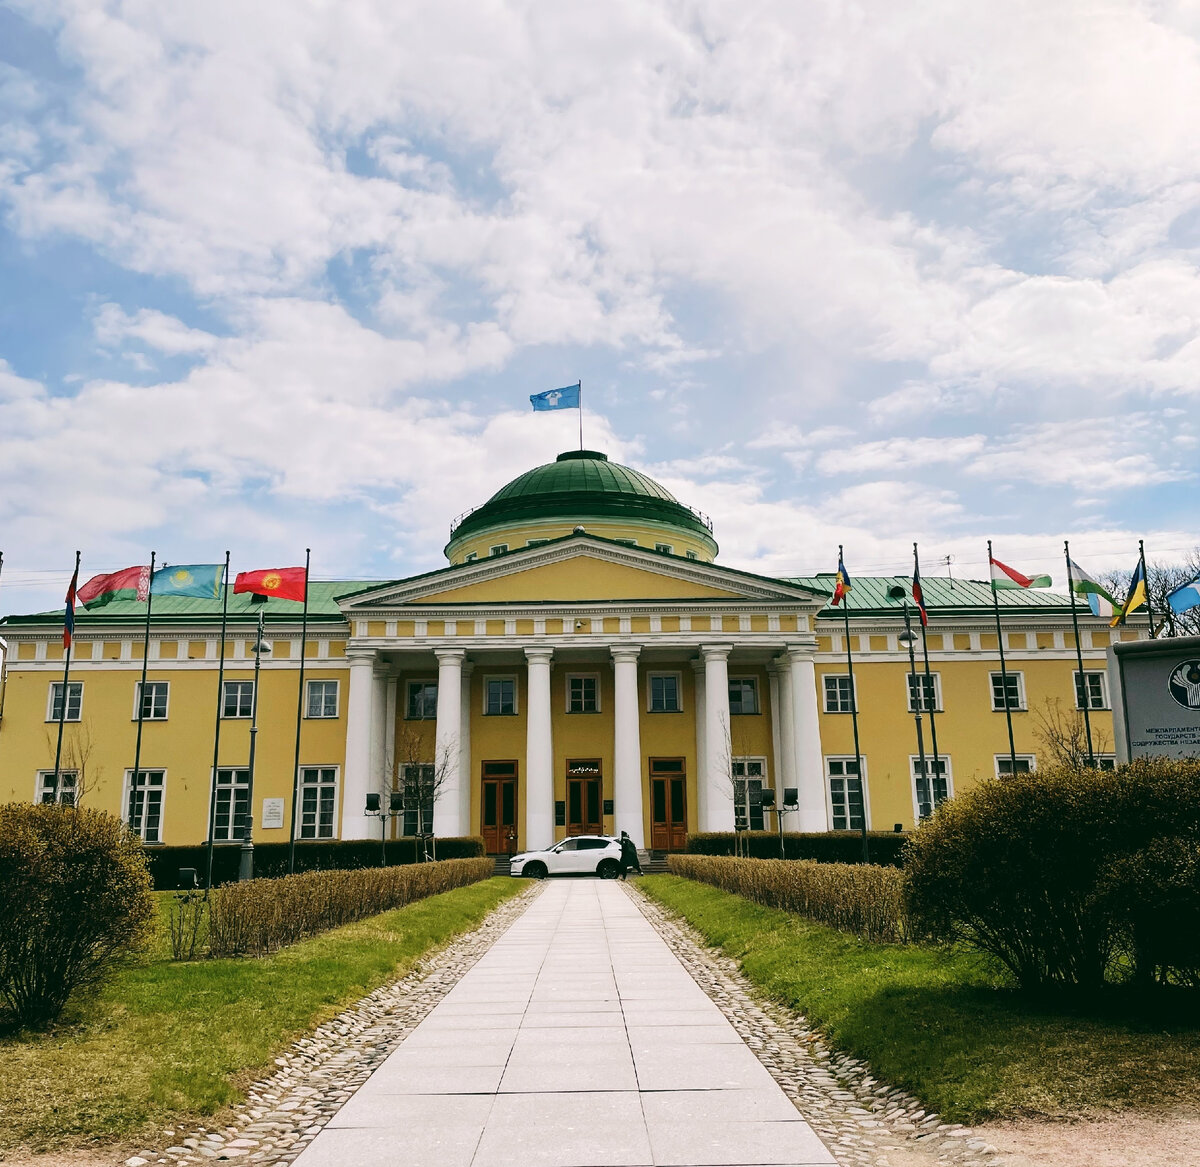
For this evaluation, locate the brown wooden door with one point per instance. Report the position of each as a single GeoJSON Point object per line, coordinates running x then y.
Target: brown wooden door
{"type": "Point", "coordinates": [668, 805]}
{"type": "Point", "coordinates": [498, 813]}
{"type": "Point", "coordinates": [584, 806]}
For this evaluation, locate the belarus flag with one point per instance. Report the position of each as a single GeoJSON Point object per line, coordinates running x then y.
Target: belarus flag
{"type": "Point", "coordinates": [1004, 576]}
{"type": "Point", "coordinates": [284, 583]}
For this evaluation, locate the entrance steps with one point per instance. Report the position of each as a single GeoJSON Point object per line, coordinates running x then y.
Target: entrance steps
{"type": "Point", "coordinates": [656, 864]}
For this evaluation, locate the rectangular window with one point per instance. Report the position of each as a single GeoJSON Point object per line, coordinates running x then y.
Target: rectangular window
{"type": "Point", "coordinates": [932, 787]}
{"type": "Point", "coordinates": [749, 777]}
{"type": "Point", "coordinates": [583, 694]}
{"type": "Point", "coordinates": [743, 695]}
{"type": "Point", "coordinates": [663, 548]}
{"type": "Point", "coordinates": [154, 701]}
{"type": "Point", "coordinates": [144, 803]}
{"type": "Point", "coordinates": [499, 696]}
{"type": "Point", "coordinates": [238, 699]}
{"type": "Point", "coordinates": [837, 694]}
{"type": "Point", "coordinates": [470, 557]}
{"type": "Point", "coordinates": [691, 555]}
{"type": "Point", "coordinates": [63, 791]}
{"type": "Point", "coordinates": [626, 542]}
{"type": "Point", "coordinates": [1016, 691]}
{"type": "Point", "coordinates": [318, 801]}
{"type": "Point", "coordinates": [422, 701]}
{"type": "Point", "coordinates": [845, 794]}
{"type": "Point", "coordinates": [498, 549]}
{"type": "Point", "coordinates": [74, 701]}
{"type": "Point", "coordinates": [927, 691]}
{"type": "Point", "coordinates": [417, 779]}
{"type": "Point", "coordinates": [1091, 691]}
{"type": "Point", "coordinates": [1106, 761]}
{"type": "Point", "coordinates": [664, 692]}
{"type": "Point", "coordinates": [535, 542]}
{"type": "Point", "coordinates": [322, 699]}
{"type": "Point", "coordinates": [231, 802]}
{"type": "Point", "coordinates": [1026, 764]}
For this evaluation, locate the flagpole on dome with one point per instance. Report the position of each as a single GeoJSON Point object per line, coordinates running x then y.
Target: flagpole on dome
{"type": "Point", "coordinates": [68, 640]}
{"type": "Point", "coordinates": [141, 692]}
{"type": "Point", "coordinates": [299, 715]}
{"type": "Point", "coordinates": [212, 786]}
{"type": "Point", "coordinates": [844, 588]}
{"type": "Point", "coordinates": [1081, 692]}
{"type": "Point", "coordinates": [930, 695]}
{"type": "Point", "coordinates": [1012, 748]}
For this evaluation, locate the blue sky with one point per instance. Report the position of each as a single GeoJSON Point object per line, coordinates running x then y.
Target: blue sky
{"type": "Point", "coordinates": [285, 276]}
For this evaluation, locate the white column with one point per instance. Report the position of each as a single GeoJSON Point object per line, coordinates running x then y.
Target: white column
{"type": "Point", "coordinates": [718, 793]}
{"type": "Point", "coordinates": [701, 747]}
{"type": "Point", "coordinates": [356, 776]}
{"type": "Point", "coordinates": [379, 694]}
{"type": "Point", "coordinates": [810, 767]}
{"type": "Point", "coordinates": [389, 743]}
{"type": "Point", "coordinates": [464, 753]}
{"type": "Point", "coordinates": [776, 731]}
{"type": "Point", "coordinates": [627, 745]}
{"type": "Point", "coordinates": [448, 807]}
{"type": "Point", "coordinates": [787, 729]}
{"type": "Point", "coordinates": [539, 752]}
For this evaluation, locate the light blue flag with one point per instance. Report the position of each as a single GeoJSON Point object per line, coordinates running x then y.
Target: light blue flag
{"type": "Point", "coordinates": [202, 580]}
{"type": "Point", "coordinates": [1185, 598]}
{"type": "Point", "coordinates": [566, 398]}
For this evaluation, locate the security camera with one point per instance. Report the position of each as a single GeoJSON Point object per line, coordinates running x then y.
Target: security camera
{"type": "Point", "coordinates": [578, 625]}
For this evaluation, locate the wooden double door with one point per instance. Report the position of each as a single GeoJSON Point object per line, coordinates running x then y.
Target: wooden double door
{"type": "Point", "coordinates": [668, 804]}
{"type": "Point", "coordinates": [585, 801]}
{"type": "Point", "coordinates": [498, 809]}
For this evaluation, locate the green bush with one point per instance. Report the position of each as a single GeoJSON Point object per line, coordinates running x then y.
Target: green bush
{"type": "Point", "coordinates": [260, 915]}
{"type": "Point", "coordinates": [74, 901]}
{"type": "Point", "coordinates": [886, 848]}
{"type": "Point", "coordinates": [861, 898]}
{"type": "Point", "coordinates": [1067, 877]}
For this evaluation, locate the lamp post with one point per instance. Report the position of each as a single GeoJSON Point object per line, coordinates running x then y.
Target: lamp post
{"type": "Point", "coordinates": [908, 638]}
{"type": "Point", "coordinates": [246, 865]}
{"type": "Point", "coordinates": [375, 809]}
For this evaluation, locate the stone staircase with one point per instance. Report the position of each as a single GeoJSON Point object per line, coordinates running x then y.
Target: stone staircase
{"type": "Point", "coordinates": [653, 862]}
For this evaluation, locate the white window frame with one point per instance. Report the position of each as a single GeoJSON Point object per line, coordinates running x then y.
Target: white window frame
{"type": "Point", "coordinates": [914, 760]}
{"type": "Point", "coordinates": [763, 778]}
{"type": "Point", "coordinates": [535, 542]}
{"type": "Point", "coordinates": [664, 548]}
{"type": "Point", "coordinates": [419, 819]}
{"type": "Point", "coordinates": [691, 555]}
{"type": "Point", "coordinates": [40, 789]}
{"type": "Point", "coordinates": [408, 688]}
{"type": "Point", "coordinates": [516, 705]}
{"type": "Point", "coordinates": [862, 780]}
{"type": "Point", "coordinates": [757, 698]}
{"type": "Point", "coordinates": [336, 783]}
{"type": "Point", "coordinates": [937, 690]}
{"type": "Point", "coordinates": [337, 699]}
{"type": "Point", "coordinates": [498, 549]}
{"type": "Point", "coordinates": [72, 687]}
{"type": "Point", "coordinates": [137, 692]}
{"type": "Point", "coordinates": [470, 557]}
{"type": "Point", "coordinates": [998, 758]}
{"type": "Point", "coordinates": [595, 679]}
{"type": "Point", "coordinates": [233, 788]}
{"type": "Point", "coordinates": [825, 693]}
{"type": "Point", "coordinates": [1106, 761]}
{"type": "Point", "coordinates": [126, 793]}
{"type": "Point", "coordinates": [1102, 675]}
{"type": "Point", "coordinates": [650, 690]}
{"type": "Point", "coordinates": [237, 716]}
{"type": "Point", "coordinates": [1013, 674]}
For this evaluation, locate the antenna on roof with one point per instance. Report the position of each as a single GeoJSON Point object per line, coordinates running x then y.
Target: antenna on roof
{"type": "Point", "coordinates": [947, 560]}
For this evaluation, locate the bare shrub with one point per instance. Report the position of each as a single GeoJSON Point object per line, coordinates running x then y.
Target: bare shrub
{"type": "Point", "coordinates": [186, 924]}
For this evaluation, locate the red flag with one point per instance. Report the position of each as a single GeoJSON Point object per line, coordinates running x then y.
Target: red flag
{"type": "Point", "coordinates": [284, 583]}
{"type": "Point", "coordinates": [919, 596]}
{"type": "Point", "coordinates": [131, 583]}
{"type": "Point", "coordinates": [69, 617]}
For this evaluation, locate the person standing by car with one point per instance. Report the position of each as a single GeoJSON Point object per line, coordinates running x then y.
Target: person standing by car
{"type": "Point", "coordinates": [629, 856]}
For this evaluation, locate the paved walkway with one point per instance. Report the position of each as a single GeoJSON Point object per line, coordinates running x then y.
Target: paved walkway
{"type": "Point", "coordinates": [578, 1040]}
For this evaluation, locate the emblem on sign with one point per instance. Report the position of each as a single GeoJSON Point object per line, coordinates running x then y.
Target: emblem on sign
{"type": "Point", "coordinates": [1184, 684]}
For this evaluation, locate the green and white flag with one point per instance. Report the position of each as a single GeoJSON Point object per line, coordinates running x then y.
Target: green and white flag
{"type": "Point", "coordinates": [1099, 600]}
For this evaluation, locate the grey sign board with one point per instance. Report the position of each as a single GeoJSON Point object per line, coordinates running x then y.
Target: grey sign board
{"type": "Point", "coordinates": [1155, 686]}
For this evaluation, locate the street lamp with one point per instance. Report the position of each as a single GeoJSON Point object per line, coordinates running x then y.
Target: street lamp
{"type": "Point", "coordinates": [246, 865]}
{"type": "Point", "coordinates": [375, 809]}
{"type": "Point", "coordinates": [908, 638]}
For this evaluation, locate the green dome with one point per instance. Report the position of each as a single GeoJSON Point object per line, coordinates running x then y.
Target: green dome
{"type": "Point", "coordinates": [581, 484]}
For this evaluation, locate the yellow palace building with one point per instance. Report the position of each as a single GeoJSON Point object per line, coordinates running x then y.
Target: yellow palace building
{"type": "Point", "coordinates": [582, 665]}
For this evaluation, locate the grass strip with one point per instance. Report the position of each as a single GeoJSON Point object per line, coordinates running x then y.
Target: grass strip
{"type": "Point", "coordinates": [164, 1042]}
{"type": "Point", "coordinates": [945, 1026]}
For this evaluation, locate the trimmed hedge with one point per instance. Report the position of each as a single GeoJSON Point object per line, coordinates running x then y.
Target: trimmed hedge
{"type": "Point", "coordinates": [886, 847]}
{"type": "Point", "coordinates": [862, 898]}
{"type": "Point", "coordinates": [271, 859]}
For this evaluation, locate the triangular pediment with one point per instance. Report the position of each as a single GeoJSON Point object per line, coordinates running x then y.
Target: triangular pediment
{"type": "Point", "coordinates": [579, 569]}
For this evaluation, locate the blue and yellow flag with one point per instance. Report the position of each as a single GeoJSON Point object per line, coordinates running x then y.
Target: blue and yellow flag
{"type": "Point", "coordinates": [1136, 596]}
{"type": "Point", "coordinates": [202, 580]}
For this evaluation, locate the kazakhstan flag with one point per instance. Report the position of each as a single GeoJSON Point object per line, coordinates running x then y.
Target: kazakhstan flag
{"type": "Point", "coordinates": [202, 580]}
{"type": "Point", "coordinates": [567, 398]}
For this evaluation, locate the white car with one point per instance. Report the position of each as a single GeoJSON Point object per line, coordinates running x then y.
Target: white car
{"type": "Point", "coordinates": [580, 855]}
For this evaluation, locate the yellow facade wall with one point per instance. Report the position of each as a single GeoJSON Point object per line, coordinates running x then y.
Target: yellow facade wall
{"type": "Point", "coordinates": [643, 535]}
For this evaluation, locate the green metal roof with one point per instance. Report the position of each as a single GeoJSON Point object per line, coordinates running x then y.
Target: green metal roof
{"type": "Point", "coordinates": [868, 596]}
{"type": "Point", "coordinates": [581, 484]}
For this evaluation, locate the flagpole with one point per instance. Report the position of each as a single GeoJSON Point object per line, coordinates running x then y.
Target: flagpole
{"type": "Point", "coordinates": [141, 694]}
{"type": "Point", "coordinates": [299, 712]}
{"type": "Point", "coordinates": [937, 762]}
{"type": "Point", "coordinates": [1012, 749]}
{"type": "Point", "coordinates": [1083, 689]}
{"type": "Point", "coordinates": [1146, 580]}
{"type": "Point", "coordinates": [62, 712]}
{"type": "Point", "coordinates": [866, 849]}
{"type": "Point", "coordinates": [580, 385]}
{"type": "Point", "coordinates": [212, 786]}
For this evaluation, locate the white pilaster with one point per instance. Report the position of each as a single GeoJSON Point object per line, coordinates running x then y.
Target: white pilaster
{"type": "Point", "coordinates": [464, 752]}
{"type": "Point", "coordinates": [379, 750]}
{"type": "Point", "coordinates": [810, 769]}
{"type": "Point", "coordinates": [718, 783]}
{"type": "Point", "coordinates": [627, 745]}
{"type": "Point", "coordinates": [701, 745]}
{"type": "Point", "coordinates": [787, 730]}
{"type": "Point", "coordinates": [356, 778]}
{"type": "Point", "coordinates": [776, 730]}
{"type": "Point", "coordinates": [539, 751]}
{"type": "Point", "coordinates": [447, 742]}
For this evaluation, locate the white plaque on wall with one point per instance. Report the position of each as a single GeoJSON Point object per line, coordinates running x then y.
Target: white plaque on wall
{"type": "Point", "coordinates": [272, 814]}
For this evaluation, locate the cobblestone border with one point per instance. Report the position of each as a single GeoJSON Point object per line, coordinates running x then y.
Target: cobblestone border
{"type": "Point", "coordinates": [860, 1119]}
{"type": "Point", "coordinates": [283, 1113]}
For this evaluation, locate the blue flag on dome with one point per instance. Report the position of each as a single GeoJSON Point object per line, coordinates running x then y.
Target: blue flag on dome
{"type": "Point", "coordinates": [566, 398]}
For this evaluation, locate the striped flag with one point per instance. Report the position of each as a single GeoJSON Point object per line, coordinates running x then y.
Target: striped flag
{"type": "Point", "coordinates": [1005, 577]}
{"type": "Point", "coordinates": [1101, 602]}
{"type": "Point", "coordinates": [69, 618]}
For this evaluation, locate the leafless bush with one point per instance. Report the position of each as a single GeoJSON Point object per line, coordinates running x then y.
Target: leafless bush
{"type": "Point", "coordinates": [186, 924]}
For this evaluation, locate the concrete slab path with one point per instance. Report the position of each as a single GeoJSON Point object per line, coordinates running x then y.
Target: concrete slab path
{"type": "Point", "coordinates": [578, 1040]}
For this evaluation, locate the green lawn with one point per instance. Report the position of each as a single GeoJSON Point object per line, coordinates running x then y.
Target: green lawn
{"type": "Point", "coordinates": [945, 1026]}
{"type": "Point", "coordinates": [166, 1042]}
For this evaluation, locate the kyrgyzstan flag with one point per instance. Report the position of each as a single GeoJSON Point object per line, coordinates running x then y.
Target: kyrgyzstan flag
{"type": "Point", "coordinates": [284, 583]}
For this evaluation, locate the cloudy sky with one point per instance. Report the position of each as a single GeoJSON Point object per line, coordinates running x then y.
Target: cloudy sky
{"type": "Point", "coordinates": [278, 275]}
